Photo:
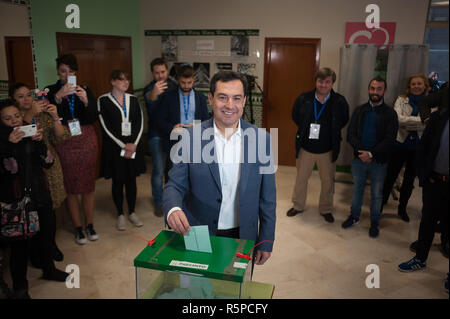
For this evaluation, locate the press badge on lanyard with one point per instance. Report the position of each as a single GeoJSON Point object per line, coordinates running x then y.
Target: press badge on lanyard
{"type": "Point", "coordinates": [314, 129]}
{"type": "Point", "coordinates": [74, 127]}
{"type": "Point", "coordinates": [74, 124]}
{"type": "Point", "coordinates": [126, 125]}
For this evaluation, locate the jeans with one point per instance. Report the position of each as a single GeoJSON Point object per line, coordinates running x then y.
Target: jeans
{"type": "Point", "coordinates": [158, 168]}
{"type": "Point", "coordinates": [377, 173]}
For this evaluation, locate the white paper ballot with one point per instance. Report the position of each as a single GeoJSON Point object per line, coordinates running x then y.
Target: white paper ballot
{"type": "Point", "coordinates": [198, 239]}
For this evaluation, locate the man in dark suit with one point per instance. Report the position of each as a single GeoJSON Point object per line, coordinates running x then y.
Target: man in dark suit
{"type": "Point", "coordinates": [180, 108]}
{"type": "Point", "coordinates": [227, 180]}
{"type": "Point", "coordinates": [433, 171]}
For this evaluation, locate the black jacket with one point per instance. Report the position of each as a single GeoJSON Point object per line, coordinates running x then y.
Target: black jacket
{"type": "Point", "coordinates": [85, 114]}
{"type": "Point", "coordinates": [428, 146]}
{"type": "Point", "coordinates": [386, 126]}
{"type": "Point", "coordinates": [152, 106]}
{"type": "Point", "coordinates": [168, 114]}
{"type": "Point", "coordinates": [29, 157]}
{"type": "Point", "coordinates": [439, 99]}
{"type": "Point", "coordinates": [303, 111]}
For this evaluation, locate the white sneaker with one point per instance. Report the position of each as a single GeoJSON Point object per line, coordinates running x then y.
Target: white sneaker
{"type": "Point", "coordinates": [91, 233]}
{"type": "Point", "coordinates": [121, 222]}
{"type": "Point", "coordinates": [80, 239]}
{"type": "Point", "coordinates": [135, 220]}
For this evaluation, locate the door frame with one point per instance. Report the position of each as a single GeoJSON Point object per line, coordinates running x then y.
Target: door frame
{"type": "Point", "coordinates": [267, 43]}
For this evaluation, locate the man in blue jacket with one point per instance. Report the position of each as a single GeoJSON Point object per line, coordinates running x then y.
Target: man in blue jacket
{"type": "Point", "coordinates": [227, 179]}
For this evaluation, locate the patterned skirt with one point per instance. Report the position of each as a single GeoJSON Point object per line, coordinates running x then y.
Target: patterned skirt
{"type": "Point", "coordinates": [78, 156]}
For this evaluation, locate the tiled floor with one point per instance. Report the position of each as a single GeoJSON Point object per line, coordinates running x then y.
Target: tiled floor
{"type": "Point", "coordinates": [311, 258]}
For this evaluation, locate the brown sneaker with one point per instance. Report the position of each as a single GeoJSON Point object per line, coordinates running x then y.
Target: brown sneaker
{"type": "Point", "coordinates": [293, 212]}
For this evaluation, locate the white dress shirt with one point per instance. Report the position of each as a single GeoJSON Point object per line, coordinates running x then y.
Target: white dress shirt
{"type": "Point", "coordinates": [228, 152]}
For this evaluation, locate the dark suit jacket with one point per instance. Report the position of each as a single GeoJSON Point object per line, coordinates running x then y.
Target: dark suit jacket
{"type": "Point", "coordinates": [196, 188]}
{"type": "Point", "coordinates": [428, 146]}
{"type": "Point", "coordinates": [169, 114]}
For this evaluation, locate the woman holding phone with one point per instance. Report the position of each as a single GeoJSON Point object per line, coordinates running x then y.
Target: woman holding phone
{"type": "Point", "coordinates": [122, 153]}
{"type": "Point", "coordinates": [46, 117]}
{"type": "Point", "coordinates": [78, 154]}
{"type": "Point", "coordinates": [22, 160]}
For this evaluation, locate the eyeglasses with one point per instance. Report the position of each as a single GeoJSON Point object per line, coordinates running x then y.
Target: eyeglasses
{"type": "Point", "coordinates": [236, 99]}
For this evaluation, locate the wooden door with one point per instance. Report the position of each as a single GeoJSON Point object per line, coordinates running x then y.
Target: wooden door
{"type": "Point", "coordinates": [19, 59]}
{"type": "Point", "coordinates": [289, 68]}
{"type": "Point", "coordinates": [97, 57]}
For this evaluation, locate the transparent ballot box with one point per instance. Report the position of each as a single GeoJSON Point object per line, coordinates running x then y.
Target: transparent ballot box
{"type": "Point", "coordinates": [167, 270]}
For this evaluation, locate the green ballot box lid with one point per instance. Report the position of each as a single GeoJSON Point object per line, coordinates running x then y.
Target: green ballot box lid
{"type": "Point", "coordinates": [168, 253]}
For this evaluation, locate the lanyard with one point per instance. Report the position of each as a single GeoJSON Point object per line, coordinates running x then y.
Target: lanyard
{"type": "Point", "coordinates": [124, 105]}
{"type": "Point", "coordinates": [71, 101]}
{"type": "Point", "coordinates": [186, 107]}
{"type": "Point", "coordinates": [317, 116]}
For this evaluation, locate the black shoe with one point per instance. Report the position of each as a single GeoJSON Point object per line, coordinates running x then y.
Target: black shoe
{"type": "Point", "coordinates": [403, 215]}
{"type": "Point", "coordinates": [58, 255]}
{"type": "Point", "coordinates": [350, 221]}
{"type": "Point", "coordinates": [373, 231]}
{"type": "Point", "coordinates": [55, 275]}
{"type": "Point", "coordinates": [413, 246]}
{"type": "Point", "coordinates": [292, 212]}
{"type": "Point", "coordinates": [328, 217]}
{"type": "Point", "coordinates": [159, 211]}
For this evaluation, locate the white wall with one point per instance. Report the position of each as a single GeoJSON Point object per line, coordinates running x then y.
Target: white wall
{"type": "Point", "coordinates": [323, 19]}
{"type": "Point", "coordinates": [13, 23]}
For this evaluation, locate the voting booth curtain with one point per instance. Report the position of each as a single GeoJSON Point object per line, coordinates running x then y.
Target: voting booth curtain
{"type": "Point", "coordinates": [357, 68]}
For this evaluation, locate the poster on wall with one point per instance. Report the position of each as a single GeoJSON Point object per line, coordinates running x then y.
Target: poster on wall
{"type": "Point", "coordinates": [223, 66]}
{"type": "Point", "coordinates": [246, 68]}
{"type": "Point", "coordinates": [357, 32]}
{"type": "Point", "coordinates": [169, 47]}
{"type": "Point", "coordinates": [201, 73]}
{"type": "Point", "coordinates": [239, 47]}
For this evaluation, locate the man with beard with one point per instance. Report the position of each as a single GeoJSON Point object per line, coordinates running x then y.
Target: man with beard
{"type": "Point", "coordinates": [179, 108]}
{"type": "Point", "coordinates": [153, 92]}
{"type": "Point", "coordinates": [232, 188]}
{"type": "Point", "coordinates": [371, 132]}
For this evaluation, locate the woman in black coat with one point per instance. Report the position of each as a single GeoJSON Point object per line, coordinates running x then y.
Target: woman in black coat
{"type": "Point", "coordinates": [21, 162]}
{"type": "Point", "coordinates": [122, 152]}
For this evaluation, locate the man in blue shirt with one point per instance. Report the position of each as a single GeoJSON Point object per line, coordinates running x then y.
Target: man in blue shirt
{"type": "Point", "coordinates": [180, 108]}
{"type": "Point", "coordinates": [371, 132]}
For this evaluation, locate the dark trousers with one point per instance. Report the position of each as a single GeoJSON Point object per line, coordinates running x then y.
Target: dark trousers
{"type": "Point", "coordinates": [18, 263]}
{"type": "Point", "coordinates": [435, 196]}
{"type": "Point", "coordinates": [399, 158]}
{"type": "Point", "coordinates": [130, 190]}
{"type": "Point", "coordinates": [44, 242]}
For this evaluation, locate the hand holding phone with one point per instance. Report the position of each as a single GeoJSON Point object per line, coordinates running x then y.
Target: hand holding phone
{"type": "Point", "coordinates": [29, 130]}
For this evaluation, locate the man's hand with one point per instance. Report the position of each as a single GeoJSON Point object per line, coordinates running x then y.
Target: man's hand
{"type": "Point", "coordinates": [178, 222]}
{"type": "Point", "coordinates": [158, 89]}
{"type": "Point", "coordinates": [364, 156]}
{"type": "Point", "coordinates": [261, 257]}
